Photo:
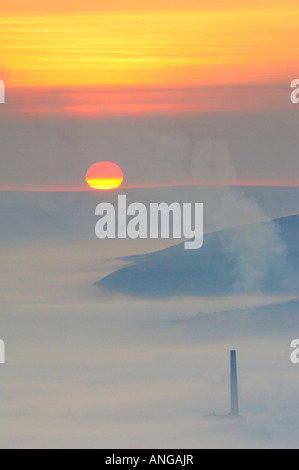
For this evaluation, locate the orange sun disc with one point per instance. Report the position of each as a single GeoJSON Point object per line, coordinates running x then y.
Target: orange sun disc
{"type": "Point", "coordinates": [104, 175]}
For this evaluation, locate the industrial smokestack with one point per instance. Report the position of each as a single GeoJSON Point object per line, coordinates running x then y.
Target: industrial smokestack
{"type": "Point", "coordinates": [234, 405]}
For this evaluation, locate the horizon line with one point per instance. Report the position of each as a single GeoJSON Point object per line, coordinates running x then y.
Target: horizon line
{"type": "Point", "coordinates": [248, 183]}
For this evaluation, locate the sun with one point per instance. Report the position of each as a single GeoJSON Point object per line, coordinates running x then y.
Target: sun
{"type": "Point", "coordinates": [104, 175]}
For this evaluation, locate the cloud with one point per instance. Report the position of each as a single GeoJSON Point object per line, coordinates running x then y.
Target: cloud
{"type": "Point", "coordinates": [259, 249]}
{"type": "Point", "coordinates": [91, 370]}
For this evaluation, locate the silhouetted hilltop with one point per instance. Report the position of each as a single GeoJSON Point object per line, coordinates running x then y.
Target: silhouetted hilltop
{"type": "Point", "coordinates": [259, 258]}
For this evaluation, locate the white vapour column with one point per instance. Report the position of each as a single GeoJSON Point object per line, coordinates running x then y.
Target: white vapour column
{"type": "Point", "coordinates": [234, 405]}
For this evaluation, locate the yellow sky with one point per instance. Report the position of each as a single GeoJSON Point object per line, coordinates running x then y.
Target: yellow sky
{"type": "Point", "coordinates": [157, 47]}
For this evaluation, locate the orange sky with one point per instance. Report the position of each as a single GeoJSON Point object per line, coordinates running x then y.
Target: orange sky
{"type": "Point", "coordinates": [256, 182]}
{"type": "Point", "coordinates": [53, 46]}
{"type": "Point", "coordinates": [68, 6]}
{"type": "Point", "coordinates": [90, 102]}
{"type": "Point", "coordinates": [114, 58]}
{"type": "Point", "coordinates": [158, 47]}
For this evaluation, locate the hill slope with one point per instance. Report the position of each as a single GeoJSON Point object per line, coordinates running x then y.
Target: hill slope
{"type": "Point", "coordinates": [261, 258]}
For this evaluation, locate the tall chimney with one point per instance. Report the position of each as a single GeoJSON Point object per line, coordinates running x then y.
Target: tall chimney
{"type": "Point", "coordinates": [234, 406]}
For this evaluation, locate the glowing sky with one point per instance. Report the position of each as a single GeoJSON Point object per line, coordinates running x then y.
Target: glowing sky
{"type": "Point", "coordinates": [67, 6]}
{"type": "Point", "coordinates": [112, 59]}
{"type": "Point", "coordinates": [158, 47]}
